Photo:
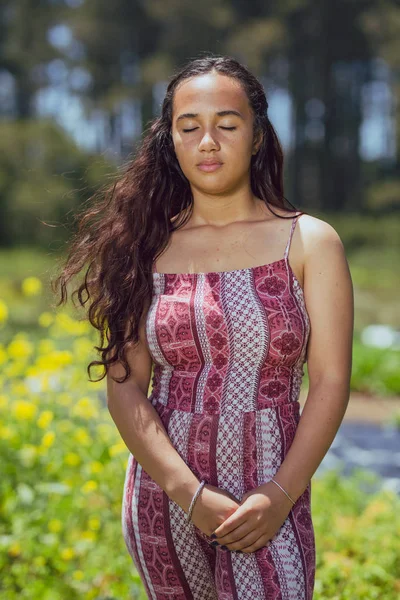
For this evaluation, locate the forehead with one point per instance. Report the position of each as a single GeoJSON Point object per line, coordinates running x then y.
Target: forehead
{"type": "Point", "coordinates": [211, 92]}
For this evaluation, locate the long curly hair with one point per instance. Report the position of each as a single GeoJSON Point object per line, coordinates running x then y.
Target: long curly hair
{"type": "Point", "coordinates": [129, 224]}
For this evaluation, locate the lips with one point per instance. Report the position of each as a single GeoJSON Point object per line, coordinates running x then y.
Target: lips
{"type": "Point", "coordinates": [209, 166]}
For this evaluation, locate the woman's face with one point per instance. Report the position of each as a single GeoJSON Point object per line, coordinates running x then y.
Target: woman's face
{"type": "Point", "coordinates": [200, 133]}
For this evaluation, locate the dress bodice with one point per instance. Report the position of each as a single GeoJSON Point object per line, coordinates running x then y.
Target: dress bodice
{"type": "Point", "coordinates": [228, 340]}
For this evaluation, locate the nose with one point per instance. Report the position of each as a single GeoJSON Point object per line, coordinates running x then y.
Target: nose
{"type": "Point", "coordinates": [208, 142]}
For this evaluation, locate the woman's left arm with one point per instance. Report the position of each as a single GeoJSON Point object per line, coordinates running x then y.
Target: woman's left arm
{"type": "Point", "coordinates": [328, 293]}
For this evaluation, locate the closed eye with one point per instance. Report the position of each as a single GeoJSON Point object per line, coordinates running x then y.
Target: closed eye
{"type": "Point", "coordinates": [194, 128]}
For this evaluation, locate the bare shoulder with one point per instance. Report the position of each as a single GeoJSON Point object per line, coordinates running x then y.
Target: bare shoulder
{"type": "Point", "coordinates": [324, 259]}
{"type": "Point", "coordinates": [329, 298]}
{"type": "Point", "coordinates": [316, 234]}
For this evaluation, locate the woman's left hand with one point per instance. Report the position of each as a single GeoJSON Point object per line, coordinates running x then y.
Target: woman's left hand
{"type": "Point", "coordinates": [255, 522]}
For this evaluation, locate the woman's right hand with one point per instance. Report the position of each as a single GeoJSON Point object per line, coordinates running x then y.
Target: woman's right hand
{"type": "Point", "coordinates": [212, 508]}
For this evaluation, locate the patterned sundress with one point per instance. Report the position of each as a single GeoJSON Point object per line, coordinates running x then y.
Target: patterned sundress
{"type": "Point", "coordinates": [228, 350]}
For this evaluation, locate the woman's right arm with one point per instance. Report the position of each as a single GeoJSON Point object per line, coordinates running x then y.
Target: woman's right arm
{"type": "Point", "coordinates": [142, 429]}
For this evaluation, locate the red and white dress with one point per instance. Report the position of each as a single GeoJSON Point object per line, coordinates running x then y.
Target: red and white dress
{"type": "Point", "coordinates": [228, 350]}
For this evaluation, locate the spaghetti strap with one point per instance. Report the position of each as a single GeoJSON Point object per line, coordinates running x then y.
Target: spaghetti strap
{"type": "Point", "coordinates": [294, 221]}
{"type": "Point", "coordinates": [154, 270]}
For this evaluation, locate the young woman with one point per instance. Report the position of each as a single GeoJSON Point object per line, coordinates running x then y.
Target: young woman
{"type": "Point", "coordinates": [199, 268]}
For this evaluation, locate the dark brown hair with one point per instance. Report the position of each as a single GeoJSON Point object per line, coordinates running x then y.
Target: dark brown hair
{"type": "Point", "coordinates": [129, 226]}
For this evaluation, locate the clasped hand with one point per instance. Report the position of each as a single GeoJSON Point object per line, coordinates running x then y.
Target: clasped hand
{"type": "Point", "coordinates": [256, 521]}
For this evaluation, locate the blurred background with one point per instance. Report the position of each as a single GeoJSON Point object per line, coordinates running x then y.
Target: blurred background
{"type": "Point", "coordinates": [80, 81]}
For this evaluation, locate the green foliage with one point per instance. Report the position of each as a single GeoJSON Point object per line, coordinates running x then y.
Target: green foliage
{"type": "Point", "coordinates": [369, 232]}
{"type": "Point", "coordinates": [357, 539]}
{"type": "Point", "coordinates": [43, 176]}
{"type": "Point", "coordinates": [375, 370]}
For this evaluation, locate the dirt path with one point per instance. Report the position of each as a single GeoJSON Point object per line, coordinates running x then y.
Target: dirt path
{"type": "Point", "coordinates": [371, 409]}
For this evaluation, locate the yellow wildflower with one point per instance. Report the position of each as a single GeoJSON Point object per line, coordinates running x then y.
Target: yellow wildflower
{"type": "Point", "coordinates": [45, 319]}
{"type": "Point", "coordinates": [55, 525]}
{"type": "Point", "coordinates": [106, 432]}
{"type": "Point", "coordinates": [54, 360]}
{"type": "Point", "coordinates": [85, 408]}
{"type": "Point", "coordinates": [45, 418]}
{"type": "Point", "coordinates": [78, 575]}
{"type": "Point", "coordinates": [3, 355]}
{"type": "Point", "coordinates": [45, 380]}
{"type": "Point", "coordinates": [31, 286]}
{"type": "Point", "coordinates": [24, 411]}
{"type": "Point", "coordinates": [94, 523]}
{"type": "Point", "coordinates": [3, 312]}
{"type": "Point", "coordinates": [3, 401]}
{"type": "Point", "coordinates": [96, 466]}
{"type": "Point", "coordinates": [31, 376]}
{"type": "Point", "coordinates": [89, 535]}
{"type": "Point", "coordinates": [19, 388]}
{"type": "Point", "coordinates": [89, 486]}
{"type": "Point", "coordinates": [14, 549]}
{"type": "Point", "coordinates": [67, 324]}
{"type": "Point", "coordinates": [117, 448]}
{"type": "Point", "coordinates": [13, 369]}
{"type": "Point", "coordinates": [72, 459]}
{"type": "Point", "coordinates": [19, 347]}
{"type": "Point", "coordinates": [81, 437]}
{"type": "Point", "coordinates": [7, 432]}
{"type": "Point", "coordinates": [45, 346]}
{"type": "Point", "coordinates": [48, 439]}
{"type": "Point", "coordinates": [67, 553]}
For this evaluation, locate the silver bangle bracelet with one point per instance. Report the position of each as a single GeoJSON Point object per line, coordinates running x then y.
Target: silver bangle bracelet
{"type": "Point", "coordinates": [196, 494]}
{"type": "Point", "coordinates": [276, 483]}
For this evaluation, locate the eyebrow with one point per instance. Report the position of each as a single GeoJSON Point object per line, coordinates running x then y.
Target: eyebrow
{"type": "Point", "coordinates": [221, 113]}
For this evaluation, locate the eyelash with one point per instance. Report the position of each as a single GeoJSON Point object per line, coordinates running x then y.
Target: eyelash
{"type": "Point", "coordinates": [194, 128]}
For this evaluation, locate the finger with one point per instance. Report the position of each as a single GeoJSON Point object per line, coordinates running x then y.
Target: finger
{"type": "Point", "coordinates": [246, 541]}
{"type": "Point", "coordinates": [249, 538]}
{"type": "Point", "coordinates": [239, 517]}
{"type": "Point", "coordinates": [236, 535]}
{"type": "Point", "coordinates": [236, 538]}
{"type": "Point", "coordinates": [261, 542]}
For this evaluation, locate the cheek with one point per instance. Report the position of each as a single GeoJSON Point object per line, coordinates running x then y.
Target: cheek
{"type": "Point", "coordinates": [184, 149]}
{"type": "Point", "coordinates": [238, 149]}
{"type": "Point", "coordinates": [186, 144]}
